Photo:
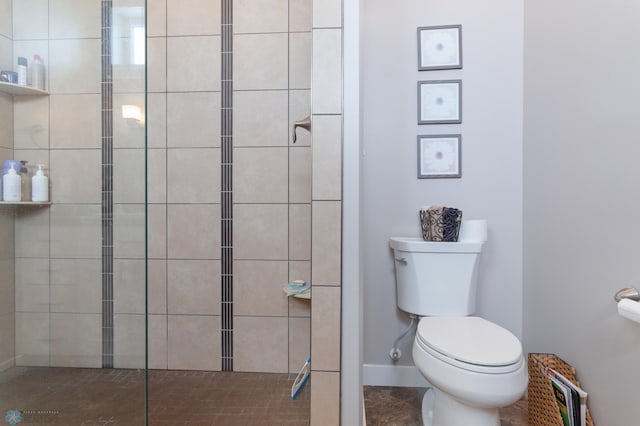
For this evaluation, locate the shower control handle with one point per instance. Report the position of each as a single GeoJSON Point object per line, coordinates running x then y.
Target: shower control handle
{"type": "Point", "coordinates": [305, 123]}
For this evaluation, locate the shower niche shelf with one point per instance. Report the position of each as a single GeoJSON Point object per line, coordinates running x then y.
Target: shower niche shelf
{"type": "Point", "coordinates": [18, 90]}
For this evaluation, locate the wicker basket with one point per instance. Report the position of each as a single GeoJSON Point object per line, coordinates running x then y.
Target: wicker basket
{"type": "Point", "coordinates": [543, 409]}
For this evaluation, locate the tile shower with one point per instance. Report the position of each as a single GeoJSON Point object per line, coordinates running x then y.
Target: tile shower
{"type": "Point", "coordinates": [216, 262]}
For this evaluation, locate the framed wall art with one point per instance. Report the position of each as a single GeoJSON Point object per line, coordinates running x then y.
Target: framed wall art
{"type": "Point", "coordinates": [439, 156]}
{"type": "Point", "coordinates": [440, 102]}
{"type": "Point", "coordinates": [440, 47]}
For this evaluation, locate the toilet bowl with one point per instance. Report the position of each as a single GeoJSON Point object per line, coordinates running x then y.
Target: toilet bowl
{"type": "Point", "coordinates": [474, 366]}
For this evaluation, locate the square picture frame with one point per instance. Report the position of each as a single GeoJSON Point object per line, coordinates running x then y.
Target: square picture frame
{"type": "Point", "coordinates": [439, 156]}
{"type": "Point", "coordinates": [440, 102]}
{"type": "Point", "coordinates": [440, 47]}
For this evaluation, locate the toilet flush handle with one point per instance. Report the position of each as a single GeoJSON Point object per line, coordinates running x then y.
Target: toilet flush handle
{"type": "Point", "coordinates": [401, 260]}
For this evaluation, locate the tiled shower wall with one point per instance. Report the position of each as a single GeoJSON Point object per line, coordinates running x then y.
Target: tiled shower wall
{"type": "Point", "coordinates": [7, 309]}
{"type": "Point", "coordinates": [283, 224]}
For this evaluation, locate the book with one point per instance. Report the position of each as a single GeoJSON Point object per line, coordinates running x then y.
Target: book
{"type": "Point", "coordinates": [563, 398]}
{"type": "Point", "coordinates": [577, 395]}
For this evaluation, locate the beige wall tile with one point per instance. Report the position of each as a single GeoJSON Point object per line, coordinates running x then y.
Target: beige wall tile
{"type": "Point", "coordinates": [158, 341]}
{"type": "Point", "coordinates": [7, 289]}
{"type": "Point", "coordinates": [30, 19]}
{"type": "Point", "coordinates": [32, 233]}
{"type": "Point", "coordinates": [6, 130]}
{"type": "Point", "coordinates": [76, 231]}
{"type": "Point", "coordinates": [32, 339]}
{"type": "Point", "coordinates": [32, 285]}
{"type": "Point", "coordinates": [6, 55]}
{"type": "Point", "coordinates": [193, 17]}
{"type": "Point", "coordinates": [129, 341]}
{"type": "Point", "coordinates": [300, 61]}
{"type": "Point", "coordinates": [260, 61]}
{"type": "Point", "coordinates": [300, 15]}
{"type": "Point", "coordinates": [327, 157]}
{"type": "Point", "coordinates": [74, 19]}
{"type": "Point", "coordinates": [158, 287]}
{"type": "Point", "coordinates": [157, 178]}
{"type": "Point", "coordinates": [327, 14]}
{"type": "Point", "coordinates": [6, 19]}
{"type": "Point", "coordinates": [7, 334]}
{"type": "Point", "coordinates": [157, 235]}
{"type": "Point", "coordinates": [193, 175]}
{"type": "Point", "coordinates": [129, 231]}
{"type": "Point", "coordinates": [76, 340]}
{"type": "Point", "coordinates": [260, 118]}
{"type": "Point", "coordinates": [260, 231]}
{"type": "Point", "coordinates": [325, 328]}
{"type": "Point", "coordinates": [325, 398]}
{"type": "Point", "coordinates": [326, 77]}
{"type": "Point", "coordinates": [300, 231]}
{"type": "Point", "coordinates": [260, 344]}
{"type": "Point", "coordinates": [31, 122]}
{"type": "Point", "coordinates": [188, 69]}
{"type": "Point", "coordinates": [193, 231]}
{"type": "Point", "coordinates": [128, 286]}
{"type": "Point", "coordinates": [73, 67]}
{"type": "Point", "coordinates": [128, 77]}
{"type": "Point", "coordinates": [71, 166]}
{"type": "Point", "coordinates": [193, 120]}
{"type": "Point", "coordinates": [75, 121]}
{"type": "Point", "coordinates": [127, 132]}
{"type": "Point", "coordinates": [128, 175]}
{"type": "Point", "coordinates": [260, 175]}
{"type": "Point", "coordinates": [157, 66]}
{"type": "Point", "coordinates": [156, 120]}
{"type": "Point", "coordinates": [194, 342]}
{"type": "Point", "coordinates": [299, 108]}
{"type": "Point", "coordinates": [193, 287]}
{"type": "Point", "coordinates": [156, 18]}
{"type": "Point", "coordinates": [326, 242]}
{"type": "Point", "coordinates": [299, 343]}
{"type": "Point", "coordinates": [300, 174]}
{"type": "Point", "coordinates": [260, 16]}
{"type": "Point", "coordinates": [76, 285]}
{"type": "Point", "coordinates": [257, 288]}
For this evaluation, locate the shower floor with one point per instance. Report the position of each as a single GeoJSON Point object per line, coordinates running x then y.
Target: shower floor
{"type": "Point", "coordinates": [82, 396]}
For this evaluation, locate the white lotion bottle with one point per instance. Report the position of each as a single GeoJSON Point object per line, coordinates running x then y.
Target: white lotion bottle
{"type": "Point", "coordinates": [11, 185]}
{"type": "Point", "coordinates": [40, 186]}
{"type": "Point", "coordinates": [37, 73]}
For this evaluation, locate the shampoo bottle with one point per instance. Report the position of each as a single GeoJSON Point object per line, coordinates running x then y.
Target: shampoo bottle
{"type": "Point", "coordinates": [22, 71]}
{"type": "Point", "coordinates": [11, 185]}
{"type": "Point", "coordinates": [37, 73]}
{"type": "Point", "coordinates": [40, 186]}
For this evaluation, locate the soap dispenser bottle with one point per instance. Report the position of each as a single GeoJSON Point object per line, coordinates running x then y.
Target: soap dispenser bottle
{"type": "Point", "coordinates": [11, 185]}
{"type": "Point", "coordinates": [40, 186]}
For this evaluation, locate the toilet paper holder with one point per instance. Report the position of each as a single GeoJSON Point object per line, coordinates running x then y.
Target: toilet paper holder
{"type": "Point", "coordinates": [627, 293]}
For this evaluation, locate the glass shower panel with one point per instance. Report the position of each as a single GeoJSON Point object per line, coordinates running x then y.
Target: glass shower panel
{"type": "Point", "coordinates": [73, 271]}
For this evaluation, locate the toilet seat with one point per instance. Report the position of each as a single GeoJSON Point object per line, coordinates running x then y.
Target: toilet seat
{"type": "Point", "coordinates": [470, 343]}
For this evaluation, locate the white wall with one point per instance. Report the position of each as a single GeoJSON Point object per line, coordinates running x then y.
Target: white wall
{"type": "Point", "coordinates": [491, 183]}
{"type": "Point", "coordinates": [582, 69]}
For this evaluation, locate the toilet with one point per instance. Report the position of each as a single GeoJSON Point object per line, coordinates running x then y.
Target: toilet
{"type": "Point", "coordinates": [474, 366]}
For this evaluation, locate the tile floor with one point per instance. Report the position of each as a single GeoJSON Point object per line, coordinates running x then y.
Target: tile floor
{"type": "Point", "coordinates": [78, 396]}
{"type": "Point", "coordinates": [82, 396]}
{"type": "Point", "coordinates": [401, 407]}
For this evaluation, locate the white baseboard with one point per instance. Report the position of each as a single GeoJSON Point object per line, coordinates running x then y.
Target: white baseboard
{"type": "Point", "coordinates": [393, 375]}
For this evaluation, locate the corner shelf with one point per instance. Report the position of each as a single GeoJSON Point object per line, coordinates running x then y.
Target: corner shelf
{"type": "Point", "coordinates": [25, 203]}
{"type": "Point", "coordinates": [18, 90]}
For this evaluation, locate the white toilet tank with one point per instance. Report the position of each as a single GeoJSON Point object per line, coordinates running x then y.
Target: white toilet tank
{"type": "Point", "coordinates": [439, 278]}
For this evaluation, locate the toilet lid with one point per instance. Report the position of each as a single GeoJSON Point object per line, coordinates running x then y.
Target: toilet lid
{"type": "Point", "coordinates": [471, 340]}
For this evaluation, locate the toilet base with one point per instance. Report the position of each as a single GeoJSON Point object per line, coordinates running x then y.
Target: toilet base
{"type": "Point", "coordinates": [440, 409]}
